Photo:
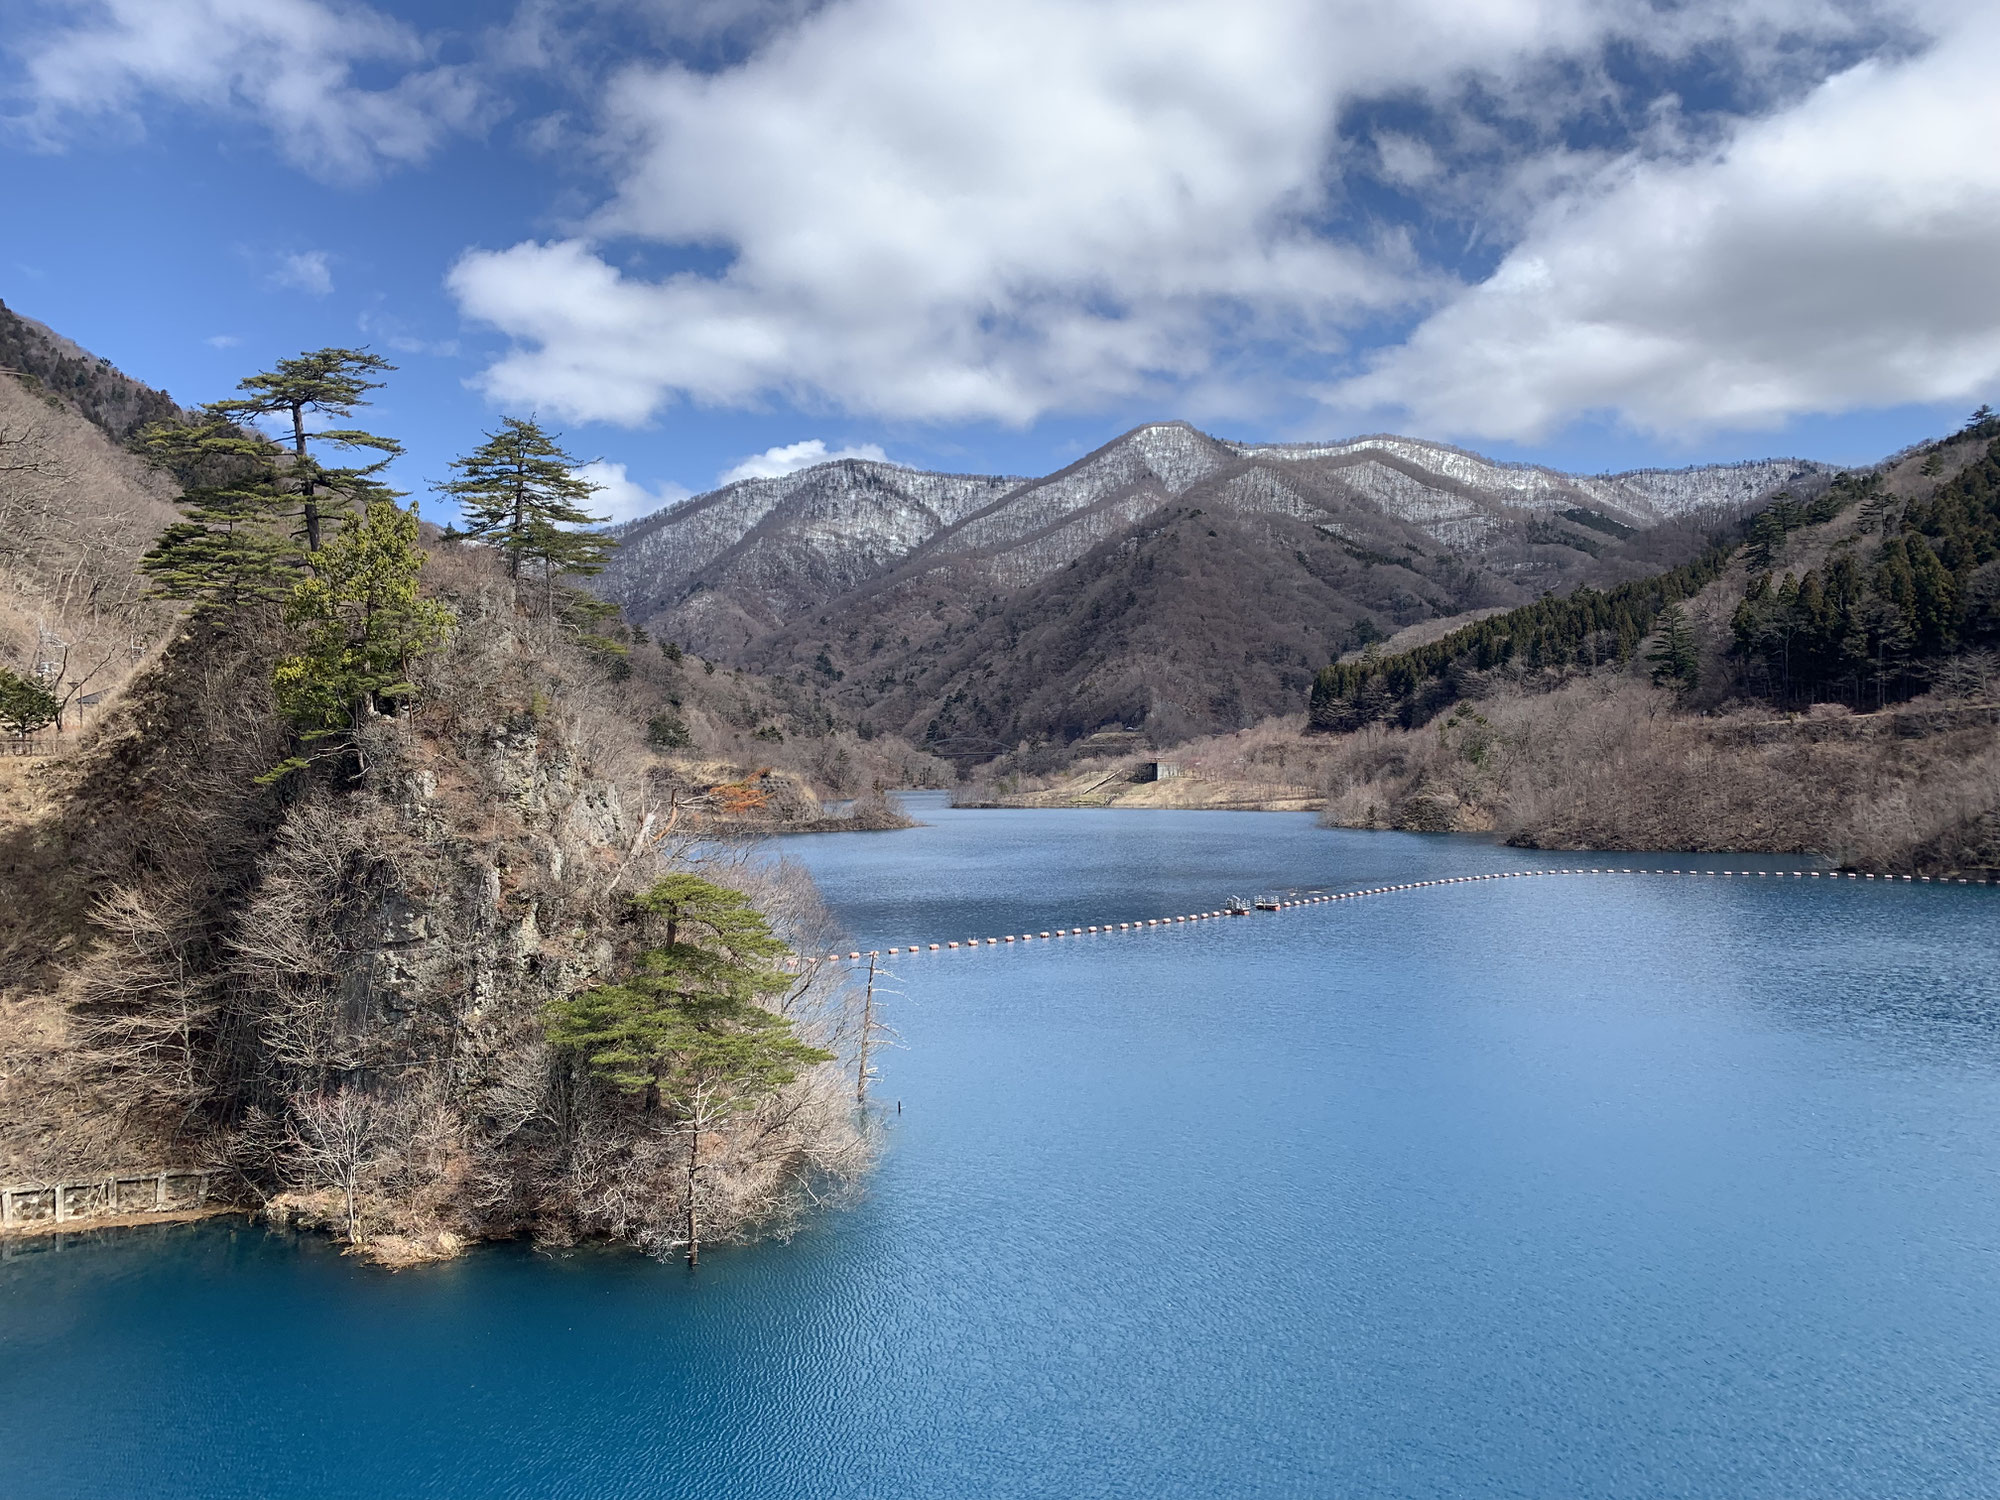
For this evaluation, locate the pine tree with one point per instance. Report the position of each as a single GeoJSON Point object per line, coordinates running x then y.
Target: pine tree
{"type": "Point", "coordinates": [327, 383]}
{"type": "Point", "coordinates": [27, 706]}
{"type": "Point", "coordinates": [520, 491]}
{"type": "Point", "coordinates": [362, 623]}
{"type": "Point", "coordinates": [667, 730]}
{"type": "Point", "coordinates": [685, 1030]}
{"type": "Point", "coordinates": [559, 552]}
{"type": "Point", "coordinates": [232, 548]}
{"type": "Point", "coordinates": [695, 991]}
{"type": "Point", "coordinates": [1676, 655]}
{"type": "Point", "coordinates": [1766, 541]}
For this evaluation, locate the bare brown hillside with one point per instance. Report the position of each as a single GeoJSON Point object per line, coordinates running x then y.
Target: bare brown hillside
{"type": "Point", "coordinates": [71, 377]}
{"type": "Point", "coordinates": [76, 513]}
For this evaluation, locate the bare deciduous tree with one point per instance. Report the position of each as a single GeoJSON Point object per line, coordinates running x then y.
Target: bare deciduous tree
{"type": "Point", "coordinates": [332, 1143]}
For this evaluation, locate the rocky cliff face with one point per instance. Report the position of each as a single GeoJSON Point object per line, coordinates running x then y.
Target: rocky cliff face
{"type": "Point", "coordinates": [339, 986]}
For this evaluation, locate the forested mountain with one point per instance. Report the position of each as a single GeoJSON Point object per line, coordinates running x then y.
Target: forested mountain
{"type": "Point", "coordinates": [1170, 583]}
{"type": "Point", "coordinates": [1886, 603]}
{"type": "Point", "coordinates": [48, 364]}
{"type": "Point", "coordinates": [1826, 679]}
{"type": "Point", "coordinates": [1861, 590]}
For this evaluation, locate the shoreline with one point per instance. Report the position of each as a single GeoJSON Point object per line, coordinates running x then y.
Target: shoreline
{"type": "Point", "coordinates": [45, 1228]}
{"type": "Point", "coordinates": [1032, 802]}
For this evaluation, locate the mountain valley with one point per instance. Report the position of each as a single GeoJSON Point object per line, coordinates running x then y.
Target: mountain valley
{"type": "Point", "coordinates": [1169, 584]}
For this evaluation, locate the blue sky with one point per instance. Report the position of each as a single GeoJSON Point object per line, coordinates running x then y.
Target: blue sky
{"type": "Point", "coordinates": [1589, 233]}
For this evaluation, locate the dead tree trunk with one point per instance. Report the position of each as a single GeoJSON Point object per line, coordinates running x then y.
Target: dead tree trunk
{"type": "Point", "coordinates": [693, 1180]}
{"type": "Point", "coordinates": [867, 1035]}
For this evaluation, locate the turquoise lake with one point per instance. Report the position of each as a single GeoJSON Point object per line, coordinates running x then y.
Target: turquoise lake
{"type": "Point", "coordinates": [1584, 1186]}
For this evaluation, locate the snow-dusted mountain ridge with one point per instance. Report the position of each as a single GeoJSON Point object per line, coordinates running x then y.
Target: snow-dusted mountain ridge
{"type": "Point", "coordinates": [743, 559]}
{"type": "Point", "coordinates": [1169, 579]}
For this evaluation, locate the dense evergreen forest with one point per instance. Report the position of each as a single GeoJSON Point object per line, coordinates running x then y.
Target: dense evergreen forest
{"type": "Point", "coordinates": [1880, 619]}
{"type": "Point", "coordinates": [1878, 623]}
{"type": "Point", "coordinates": [1587, 628]}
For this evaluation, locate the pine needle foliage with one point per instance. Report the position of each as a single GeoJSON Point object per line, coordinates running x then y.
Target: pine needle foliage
{"type": "Point", "coordinates": [687, 1020]}
{"type": "Point", "coordinates": [327, 383]}
{"type": "Point", "coordinates": [1675, 656]}
{"type": "Point", "coordinates": [361, 623]}
{"type": "Point", "coordinates": [253, 509]}
{"type": "Point", "coordinates": [232, 548]}
{"type": "Point", "coordinates": [27, 706]}
{"type": "Point", "coordinates": [520, 492]}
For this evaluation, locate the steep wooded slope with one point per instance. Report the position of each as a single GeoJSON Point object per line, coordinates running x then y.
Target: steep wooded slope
{"type": "Point", "coordinates": [1841, 694]}
{"type": "Point", "coordinates": [87, 384]}
{"type": "Point", "coordinates": [76, 513]}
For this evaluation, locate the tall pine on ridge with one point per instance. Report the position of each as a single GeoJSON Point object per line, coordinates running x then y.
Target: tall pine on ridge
{"type": "Point", "coordinates": [239, 488]}
{"type": "Point", "coordinates": [328, 383]}
{"type": "Point", "coordinates": [520, 491]}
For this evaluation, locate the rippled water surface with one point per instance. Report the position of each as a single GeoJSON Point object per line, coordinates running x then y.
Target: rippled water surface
{"type": "Point", "coordinates": [1567, 1187]}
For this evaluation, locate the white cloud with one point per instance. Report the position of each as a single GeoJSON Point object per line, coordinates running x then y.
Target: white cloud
{"type": "Point", "coordinates": [622, 498]}
{"type": "Point", "coordinates": [433, 348]}
{"type": "Point", "coordinates": [222, 341]}
{"type": "Point", "coordinates": [954, 210]}
{"type": "Point", "coordinates": [949, 209]}
{"type": "Point", "coordinates": [1841, 253]}
{"type": "Point", "coordinates": [304, 271]}
{"type": "Point", "coordinates": [291, 64]}
{"type": "Point", "coordinates": [774, 463]}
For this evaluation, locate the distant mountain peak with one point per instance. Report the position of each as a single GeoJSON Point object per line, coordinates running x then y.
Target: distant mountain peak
{"type": "Point", "coordinates": [876, 569]}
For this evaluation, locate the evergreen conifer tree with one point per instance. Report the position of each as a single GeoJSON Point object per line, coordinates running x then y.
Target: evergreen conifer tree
{"type": "Point", "coordinates": [1676, 656]}
{"type": "Point", "coordinates": [27, 706]}
{"type": "Point", "coordinates": [231, 549]}
{"type": "Point", "coordinates": [327, 383]}
{"type": "Point", "coordinates": [362, 623]}
{"type": "Point", "coordinates": [520, 491]}
{"type": "Point", "coordinates": [685, 1030]}
{"type": "Point", "coordinates": [691, 1003]}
